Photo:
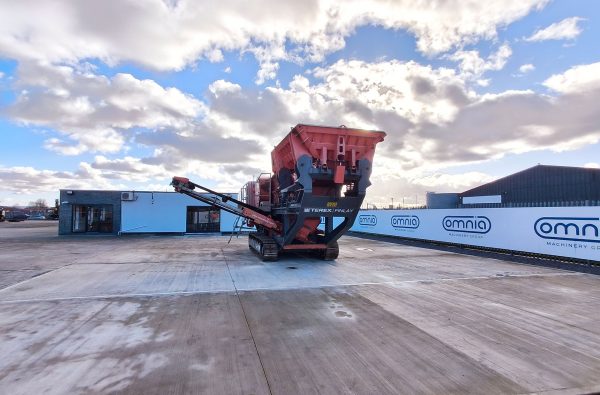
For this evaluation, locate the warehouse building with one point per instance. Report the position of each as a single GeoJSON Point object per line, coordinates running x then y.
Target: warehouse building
{"type": "Point", "coordinates": [538, 186]}
{"type": "Point", "coordinates": [131, 212]}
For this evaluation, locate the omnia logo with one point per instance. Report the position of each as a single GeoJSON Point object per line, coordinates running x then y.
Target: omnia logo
{"type": "Point", "coordinates": [405, 221]}
{"type": "Point", "coordinates": [467, 224]}
{"type": "Point", "coordinates": [568, 228]}
{"type": "Point", "coordinates": [368, 220]}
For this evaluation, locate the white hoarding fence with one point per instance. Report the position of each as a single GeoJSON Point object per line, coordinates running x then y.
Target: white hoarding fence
{"type": "Point", "coordinates": [561, 231]}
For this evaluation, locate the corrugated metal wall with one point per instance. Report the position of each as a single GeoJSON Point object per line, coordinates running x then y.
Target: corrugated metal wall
{"type": "Point", "coordinates": [545, 186]}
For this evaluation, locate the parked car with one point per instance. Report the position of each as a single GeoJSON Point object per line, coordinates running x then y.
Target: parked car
{"type": "Point", "coordinates": [16, 216]}
{"type": "Point", "coordinates": [36, 217]}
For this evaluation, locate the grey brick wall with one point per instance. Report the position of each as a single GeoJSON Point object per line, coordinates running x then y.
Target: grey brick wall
{"type": "Point", "coordinates": [67, 202]}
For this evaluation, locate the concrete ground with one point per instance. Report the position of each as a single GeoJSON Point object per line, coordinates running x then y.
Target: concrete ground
{"type": "Point", "coordinates": [194, 314]}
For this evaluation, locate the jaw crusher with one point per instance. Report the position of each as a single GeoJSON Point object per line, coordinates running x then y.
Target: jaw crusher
{"type": "Point", "coordinates": [319, 173]}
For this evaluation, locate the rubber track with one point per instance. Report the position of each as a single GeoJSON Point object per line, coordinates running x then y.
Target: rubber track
{"type": "Point", "coordinates": [264, 243]}
{"type": "Point", "coordinates": [331, 252]}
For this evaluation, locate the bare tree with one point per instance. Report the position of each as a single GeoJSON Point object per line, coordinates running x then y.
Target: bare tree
{"type": "Point", "coordinates": [39, 204]}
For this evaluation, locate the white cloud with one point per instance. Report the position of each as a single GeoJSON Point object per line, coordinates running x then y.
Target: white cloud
{"type": "Point", "coordinates": [103, 140]}
{"type": "Point", "coordinates": [526, 68]}
{"type": "Point", "coordinates": [452, 182]}
{"type": "Point", "coordinates": [390, 95]}
{"type": "Point", "coordinates": [199, 143]}
{"type": "Point", "coordinates": [432, 117]}
{"type": "Point", "coordinates": [135, 171]}
{"type": "Point", "coordinates": [224, 87]}
{"type": "Point", "coordinates": [516, 122]}
{"type": "Point", "coordinates": [497, 60]}
{"type": "Point", "coordinates": [94, 112]}
{"type": "Point", "coordinates": [28, 180]}
{"type": "Point", "coordinates": [128, 168]}
{"type": "Point", "coordinates": [471, 65]}
{"type": "Point", "coordinates": [24, 183]}
{"type": "Point", "coordinates": [215, 55]}
{"type": "Point", "coordinates": [410, 187]}
{"type": "Point", "coordinates": [567, 29]}
{"type": "Point", "coordinates": [577, 79]}
{"type": "Point", "coordinates": [172, 35]}
{"type": "Point", "coordinates": [592, 165]}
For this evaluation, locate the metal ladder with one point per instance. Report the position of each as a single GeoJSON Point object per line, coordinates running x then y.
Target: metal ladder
{"type": "Point", "coordinates": [237, 226]}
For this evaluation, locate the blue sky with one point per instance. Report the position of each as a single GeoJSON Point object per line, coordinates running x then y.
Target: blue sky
{"type": "Point", "coordinates": [115, 96]}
